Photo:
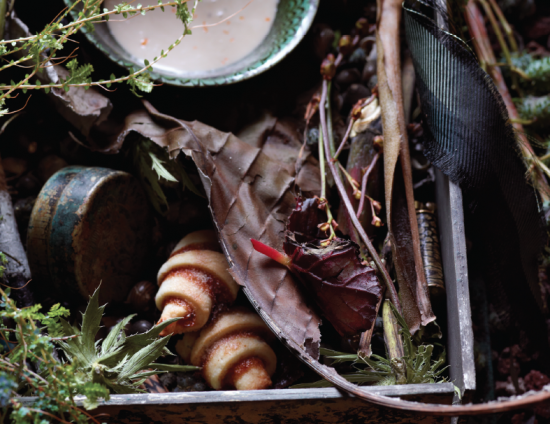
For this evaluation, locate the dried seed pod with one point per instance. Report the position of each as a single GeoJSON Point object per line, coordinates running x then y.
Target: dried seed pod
{"type": "Point", "coordinates": [193, 281]}
{"type": "Point", "coordinates": [141, 296]}
{"type": "Point", "coordinates": [233, 351]}
{"type": "Point", "coordinates": [429, 246]}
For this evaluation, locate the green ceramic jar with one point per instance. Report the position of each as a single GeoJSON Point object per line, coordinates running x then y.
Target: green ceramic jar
{"type": "Point", "coordinates": [89, 226]}
{"type": "Point", "coordinates": [292, 21]}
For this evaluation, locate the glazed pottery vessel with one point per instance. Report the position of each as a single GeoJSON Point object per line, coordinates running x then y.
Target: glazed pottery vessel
{"type": "Point", "coordinates": [89, 226]}
{"type": "Point", "coordinates": [292, 21]}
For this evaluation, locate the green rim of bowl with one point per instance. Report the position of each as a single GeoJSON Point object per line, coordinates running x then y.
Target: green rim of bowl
{"type": "Point", "coordinates": [292, 21]}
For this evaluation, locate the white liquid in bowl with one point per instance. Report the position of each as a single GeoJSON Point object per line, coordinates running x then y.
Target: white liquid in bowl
{"type": "Point", "coordinates": [207, 48]}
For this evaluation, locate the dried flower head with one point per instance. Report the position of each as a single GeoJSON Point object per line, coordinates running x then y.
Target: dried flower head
{"type": "Point", "coordinates": [328, 68]}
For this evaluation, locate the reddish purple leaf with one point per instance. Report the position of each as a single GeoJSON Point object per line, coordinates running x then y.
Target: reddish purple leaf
{"type": "Point", "coordinates": [346, 291]}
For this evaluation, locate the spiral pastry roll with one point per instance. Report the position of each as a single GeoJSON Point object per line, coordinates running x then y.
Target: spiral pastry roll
{"type": "Point", "coordinates": [192, 282]}
{"type": "Point", "coordinates": [232, 351]}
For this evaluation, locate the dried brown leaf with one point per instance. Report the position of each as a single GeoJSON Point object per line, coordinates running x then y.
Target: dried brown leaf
{"type": "Point", "coordinates": [251, 196]}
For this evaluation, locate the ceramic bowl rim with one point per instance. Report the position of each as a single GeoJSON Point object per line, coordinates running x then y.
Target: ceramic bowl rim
{"type": "Point", "coordinates": [233, 77]}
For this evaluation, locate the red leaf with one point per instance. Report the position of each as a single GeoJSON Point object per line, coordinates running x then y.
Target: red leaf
{"type": "Point", "coordinates": [346, 291]}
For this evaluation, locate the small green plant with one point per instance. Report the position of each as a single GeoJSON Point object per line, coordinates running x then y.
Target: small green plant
{"type": "Point", "coordinates": [416, 366]}
{"type": "Point", "coordinates": [31, 365]}
{"type": "Point", "coordinates": [152, 163]}
{"type": "Point", "coordinates": [40, 51]}
{"type": "Point", "coordinates": [534, 110]}
{"type": "Point", "coordinates": [535, 72]}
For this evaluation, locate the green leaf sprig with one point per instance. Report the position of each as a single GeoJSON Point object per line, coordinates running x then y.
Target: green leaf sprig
{"type": "Point", "coordinates": [379, 371]}
{"type": "Point", "coordinates": [153, 163]}
{"type": "Point", "coordinates": [30, 363]}
{"type": "Point", "coordinates": [39, 51]}
{"type": "Point", "coordinates": [120, 363]}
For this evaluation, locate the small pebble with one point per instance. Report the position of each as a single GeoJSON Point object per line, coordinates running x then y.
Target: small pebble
{"type": "Point", "coordinates": [367, 43]}
{"type": "Point", "coordinates": [186, 380]}
{"type": "Point", "coordinates": [370, 65]}
{"type": "Point", "coordinates": [200, 387]}
{"type": "Point", "coordinates": [323, 39]}
{"type": "Point", "coordinates": [347, 77]}
{"type": "Point", "coordinates": [354, 93]}
{"type": "Point", "coordinates": [168, 380]}
{"type": "Point", "coordinates": [28, 184]}
{"type": "Point", "coordinates": [139, 327]}
{"type": "Point", "coordinates": [369, 70]}
{"type": "Point", "coordinates": [358, 56]}
{"type": "Point", "coordinates": [23, 208]}
{"type": "Point", "coordinates": [49, 166]}
{"type": "Point", "coordinates": [372, 82]}
{"type": "Point", "coordinates": [141, 296]}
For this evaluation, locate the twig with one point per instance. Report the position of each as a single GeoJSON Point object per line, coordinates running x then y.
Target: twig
{"type": "Point", "coordinates": [343, 195]}
{"type": "Point", "coordinates": [505, 25]}
{"type": "Point", "coordinates": [322, 168]}
{"type": "Point", "coordinates": [344, 140]}
{"type": "Point", "coordinates": [501, 41]}
{"type": "Point", "coordinates": [17, 272]}
{"type": "Point", "coordinates": [364, 184]}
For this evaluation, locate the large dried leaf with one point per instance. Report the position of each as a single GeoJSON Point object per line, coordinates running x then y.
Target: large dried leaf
{"type": "Point", "coordinates": [251, 196]}
{"type": "Point", "coordinates": [400, 213]}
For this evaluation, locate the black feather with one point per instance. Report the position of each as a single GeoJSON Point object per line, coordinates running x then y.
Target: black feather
{"type": "Point", "coordinates": [470, 138]}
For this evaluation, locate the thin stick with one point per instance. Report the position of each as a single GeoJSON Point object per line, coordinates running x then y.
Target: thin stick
{"type": "Point", "coordinates": [322, 167]}
{"type": "Point", "coordinates": [501, 41]}
{"type": "Point", "coordinates": [364, 184]}
{"type": "Point", "coordinates": [345, 139]}
{"type": "Point", "coordinates": [342, 190]}
{"type": "Point", "coordinates": [505, 25]}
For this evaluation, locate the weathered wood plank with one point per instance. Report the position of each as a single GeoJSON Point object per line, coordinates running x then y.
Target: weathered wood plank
{"type": "Point", "coordinates": [325, 406]}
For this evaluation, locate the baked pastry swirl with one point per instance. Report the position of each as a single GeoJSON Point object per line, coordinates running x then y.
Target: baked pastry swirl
{"type": "Point", "coordinates": [232, 350]}
{"type": "Point", "coordinates": [192, 282]}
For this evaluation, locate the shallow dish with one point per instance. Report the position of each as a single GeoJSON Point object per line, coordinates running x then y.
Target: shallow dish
{"type": "Point", "coordinates": [292, 21]}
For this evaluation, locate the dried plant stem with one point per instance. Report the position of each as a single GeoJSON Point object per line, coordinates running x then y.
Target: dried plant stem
{"type": "Point", "coordinates": [501, 41]}
{"type": "Point", "coordinates": [505, 26]}
{"type": "Point", "coordinates": [93, 19]}
{"type": "Point", "coordinates": [399, 195]}
{"type": "Point", "coordinates": [344, 197]}
{"type": "Point", "coordinates": [352, 182]}
{"type": "Point", "coordinates": [344, 140]}
{"type": "Point", "coordinates": [322, 167]}
{"type": "Point", "coordinates": [364, 184]}
{"type": "Point", "coordinates": [394, 343]}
